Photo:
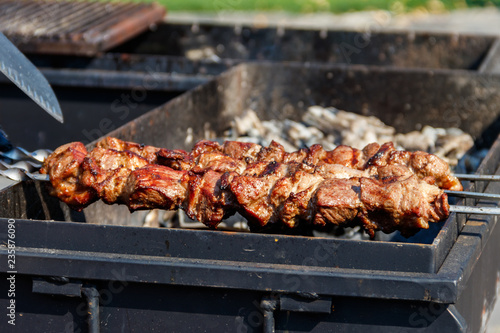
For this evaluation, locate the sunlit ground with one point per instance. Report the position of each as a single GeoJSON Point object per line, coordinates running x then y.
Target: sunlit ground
{"type": "Point", "coordinates": [336, 6]}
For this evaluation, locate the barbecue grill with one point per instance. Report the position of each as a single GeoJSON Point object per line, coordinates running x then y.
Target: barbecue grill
{"type": "Point", "coordinates": [109, 272]}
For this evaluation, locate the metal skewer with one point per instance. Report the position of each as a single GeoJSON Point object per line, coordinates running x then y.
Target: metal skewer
{"type": "Point", "coordinates": [21, 175]}
{"type": "Point", "coordinates": [492, 178]}
{"type": "Point", "coordinates": [474, 195]}
{"type": "Point", "coordinates": [475, 210]}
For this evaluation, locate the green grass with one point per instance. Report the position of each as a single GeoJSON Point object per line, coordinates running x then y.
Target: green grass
{"type": "Point", "coordinates": [304, 6]}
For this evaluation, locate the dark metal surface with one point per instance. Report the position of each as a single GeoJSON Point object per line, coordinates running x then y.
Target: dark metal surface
{"type": "Point", "coordinates": [74, 27]}
{"type": "Point", "coordinates": [66, 288]}
{"type": "Point", "coordinates": [301, 304]}
{"type": "Point", "coordinates": [368, 46]}
{"type": "Point", "coordinates": [89, 113]}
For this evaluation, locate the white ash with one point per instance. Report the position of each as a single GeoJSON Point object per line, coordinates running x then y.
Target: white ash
{"type": "Point", "coordinates": [331, 127]}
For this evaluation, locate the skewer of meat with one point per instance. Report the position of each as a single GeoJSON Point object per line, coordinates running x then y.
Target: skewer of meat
{"type": "Point", "coordinates": [267, 193]}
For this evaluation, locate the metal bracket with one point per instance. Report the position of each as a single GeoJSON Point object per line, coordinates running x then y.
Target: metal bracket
{"type": "Point", "coordinates": [62, 286]}
{"type": "Point", "coordinates": [295, 303]}
{"type": "Point", "coordinates": [57, 287]}
{"type": "Point", "coordinates": [310, 303]}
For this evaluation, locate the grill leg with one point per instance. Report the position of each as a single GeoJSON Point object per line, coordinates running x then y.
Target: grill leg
{"type": "Point", "coordinates": [92, 296]}
{"type": "Point", "coordinates": [268, 306]}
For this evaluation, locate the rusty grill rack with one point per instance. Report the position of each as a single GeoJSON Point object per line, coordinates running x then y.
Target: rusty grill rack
{"type": "Point", "coordinates": [74, 27]}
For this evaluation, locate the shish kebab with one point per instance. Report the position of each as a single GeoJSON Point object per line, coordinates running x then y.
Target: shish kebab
{"type": "Point", "coordinates": [378, 187]}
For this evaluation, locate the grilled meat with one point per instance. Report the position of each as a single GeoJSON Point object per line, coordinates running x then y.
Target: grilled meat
{"type": "Point", "coordinates": [155, 186]}
{"type": "Point", "coordinates": [373, 156]}
{"type": "Point", "coordinates": [107, 170]}
{"type": "Point", "coordinates": [64, 168]}
{"type": "Point", "coordinates": [144, 151]}
{"type": "Point", "coordinates": [422, 164]}
{"type": "Point", "coordinates": [397, 201]}
{"type": "Point", "coordinates": [378, 187]}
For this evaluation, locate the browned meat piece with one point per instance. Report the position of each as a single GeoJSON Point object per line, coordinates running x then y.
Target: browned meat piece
{"type": "Point", "coordinates": [208, 199]}
{"type": "Point", "coordinates": [274, 153]}
{"type": "Point", "coordinates": [155, 186]}
{"type": "Point", "coordinates": [429, 165]}
{"type": "Point", "coordinates": [219, 162]}
{"type": "Point", "coordinates": [258, 168]}
{"type": "Point", "coordinates": [205, 146]}
{"type": "Point", "coordinates": [390, 171]}
{"type": "Point", "coordinates": [204, 197]}
{"type": "Point", "coordinates": [382, 156]}
{"type": "Point", "coordinates": [179, 159]}
{"type": "Point", "coordinates": [252, 192]}
{"type": "Point", "coordinates": [346, 156]}
{"type": "Point", "coordinates": [336, 201]}
{"type": "Point", "coordinates": [423, 164]}
{"type": "Point", "coordinates": [328, 171]}
{"type": "Point", "coordinates": [246, 151]}
{"type": "Point", "coordinates": [315, 155]}
{"type": "Point", "coordinates": [147, 152]}
{"type": "Point", "coordinates": [107, 170]}
{"type": "Point", "coordinates": [400, 203]}
{"type": "Point", "coordinates": [64, 168]}
{"type": "Point", "coordinates": [296, 156]}
{"type": "Point", "coordinates": [176, 159]}
{"type": "Point", "coordinates": [292, 195]}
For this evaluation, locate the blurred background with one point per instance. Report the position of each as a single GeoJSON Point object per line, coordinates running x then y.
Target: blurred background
{"type": "Point", "coordinates": [334, 6]}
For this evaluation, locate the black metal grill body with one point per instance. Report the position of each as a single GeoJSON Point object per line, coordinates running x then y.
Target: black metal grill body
{"type": "Point", "coordinates": [175, 280]}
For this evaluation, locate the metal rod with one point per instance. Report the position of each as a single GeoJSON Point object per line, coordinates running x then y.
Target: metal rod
{"type": "Point", "coordinates": [38, 176]}
{"type": "Point", "coordinates": [463, 176]}
{"type": "Point", "coordinates": [268, 306]}
{"type": "Point", "coordinates": [475, 210]}
{"type": "Point", "coordinates": [92, 296]}
{"type": "Point", "coordinates": [475, 195]}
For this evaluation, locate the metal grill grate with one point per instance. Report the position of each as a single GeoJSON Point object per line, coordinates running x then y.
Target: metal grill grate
{"type": "Point", "coordinates": [74, 27]}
